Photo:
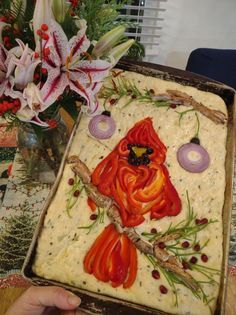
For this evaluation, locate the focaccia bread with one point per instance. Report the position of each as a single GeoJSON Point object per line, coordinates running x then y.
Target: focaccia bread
{"type": "Point", "coordinates": [151, 230]}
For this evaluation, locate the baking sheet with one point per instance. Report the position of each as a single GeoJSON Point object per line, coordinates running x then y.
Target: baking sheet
{"type": "Point", "coordinates": [97, 304]}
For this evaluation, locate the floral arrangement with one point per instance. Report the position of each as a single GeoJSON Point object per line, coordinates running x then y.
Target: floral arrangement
{"type": "Point", "coordinates": [47, 61]}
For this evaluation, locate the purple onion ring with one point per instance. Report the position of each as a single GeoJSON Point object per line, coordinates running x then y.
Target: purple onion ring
{"type": "Point", "coordinates": [99, 133]}
{"type": "Point", "coordinates": [192, 165]}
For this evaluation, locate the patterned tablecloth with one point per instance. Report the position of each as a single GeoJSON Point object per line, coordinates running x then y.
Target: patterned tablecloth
{"type": "Point", "coordinates": [21, 200]}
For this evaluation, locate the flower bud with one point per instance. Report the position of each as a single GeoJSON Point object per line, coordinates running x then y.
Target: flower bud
{"type": "Point", "coordinates": [59, 9]}
{"type": "Point", "coordinates": [119, 51]}
{"type": "Point", "coordinates": [108, 40]}
{"type": "Point", "coordinates": [23, 4]}
{"type": "Point", "coordinates": [42, 15]}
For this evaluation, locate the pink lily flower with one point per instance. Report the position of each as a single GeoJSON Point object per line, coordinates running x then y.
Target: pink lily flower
{"type": "Point", "coordinates": [67, 68]}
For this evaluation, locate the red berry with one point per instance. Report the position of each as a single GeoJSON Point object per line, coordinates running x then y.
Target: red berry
{"type": "Point", "coordinates": [162, 245]}
{"type": "Point", "coordinates": [193, 260]}
{"type": "Point", "coordinates": [36, 76]}
{"type": "Point", "coordinates": [44, 71]}
{"type": "Point", "coordinates": [155, 274]}
{"type": "Point", "coordinates": [44, 27]}
{"type": "Point", "coordinates": [6, 39]}
{"type": "Point", "coordinates": [76, 193]}
{"type": "Point", "coordinates": [153, 231]}
{"type": "Point", "coordinates": [163, 289]}
{"type": "Point", "coordinates": [197, 247]}
{"type": "Point", "coordinates": [39, 32]}
{"type": "Point", "coordinates": [204, 257]}
{"type": "Point", "coordinates": [71, 181]}
{"type": "Point", "coordinates": [93, 216]}
{"type": "Point", "coordinates": [46, 51]}
{"type": "Point", "coordinates": [185, 264]}
{"type": "Point", "coordinates": [185, 244]}
{"type": "Point", "coordinates": [45, 36]}
{"type": "Point", "coordinates": [36, 55]}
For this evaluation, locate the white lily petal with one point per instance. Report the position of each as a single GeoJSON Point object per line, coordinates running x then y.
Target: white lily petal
{"type": "Point", "coordinates": [25, 74]}
{"type": "Point", "coordinates": [90, 71]}
{"type": "Point", "coordinates": [53, 87]}
{"type": "Point", "coordinates": [33, 97]}
{"type": "Point", "coordinates": [3, 86]}
{"type": "Point", "coordinates": [79, 43]}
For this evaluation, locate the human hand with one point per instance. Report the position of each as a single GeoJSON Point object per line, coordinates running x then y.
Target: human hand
{"type": "Point", "coordinates": [43, 300]}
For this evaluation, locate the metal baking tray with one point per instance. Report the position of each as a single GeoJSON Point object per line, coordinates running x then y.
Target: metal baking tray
{"type": "Point", "coordinates": [93, 303]}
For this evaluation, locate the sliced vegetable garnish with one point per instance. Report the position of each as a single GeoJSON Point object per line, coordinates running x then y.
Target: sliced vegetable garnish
{"type": "Point", "coordinates": [193, 158]}
{"type": "Point", "coordinates": [112, 258]}
{"type": "Point", "coordinates": [102, 126]}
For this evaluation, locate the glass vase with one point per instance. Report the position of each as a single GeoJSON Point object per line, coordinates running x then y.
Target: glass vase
{"type": "Point", "coordinates": [42, 149]}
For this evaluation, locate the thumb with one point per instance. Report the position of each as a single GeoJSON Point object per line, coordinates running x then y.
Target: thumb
{"type": "Point", "coordinates": [36, 299]}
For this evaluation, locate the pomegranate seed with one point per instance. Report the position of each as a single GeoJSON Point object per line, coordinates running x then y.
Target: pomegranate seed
{"type": "Point", "coordinates": [153, 231]}
{"type": "Point", "coordinates": [201, 221]}
{"type": "Point", "coordinates": [44, 27]}
{"type": "Point", "coordinates": [193, 260]}
{"type": "Point", "coordinates": [185, 244]}
{"type": "Point", "coordinates": [204, 257]}
{"type": "Point", "coordinates": [93, 216]}
{"type": "Point", "coordinates": [197, 247]}
{"type": "Point", "coordinates": [155, 274]}
{"type": "Point", "coordinates": [45, 36]}
{"type": "Point", "coordinates": [185, 264]}
{"type": "Point", "coordinates": [163, 289]}
{"type": "Point", "coordinates": [71, 181]}
{"type": "Point", "coordinates": [162, 245]}
{"type": "Point", "coordinates": [151, 91]}
{"type": "Point", "coordinates": [173, 106]}
{"type": "Point", "coordinates": [76, 193]}
{"type": "Point", "coordinates": [112, 101]}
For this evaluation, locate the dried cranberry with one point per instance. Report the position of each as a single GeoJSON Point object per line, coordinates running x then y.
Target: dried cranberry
{"type": "Point", "coordinates": [163, 289]}
{"type": "Point", "coordinates": [76, 193]}
{"type": "Point", "coordinates": [197, 247]}
{"type": "Point", "coordinates": [162, 245]}
{"type": "Point", "coordinates": [93, 216]}
{"type": "Point", "coordinates": [153, 231]}
{"type": "Point", "coordinates": [185, 264]}
{"type": "Point", "coordinates": [155, 274]}
{"type": "Point", "coordinates": [204, 257]}
{"type": "Point", "coordinates": [193, 260]}
{"type": "Point", "coordinates": [185, 244]}
{"type": "Point", "coordinates": [71, 181]}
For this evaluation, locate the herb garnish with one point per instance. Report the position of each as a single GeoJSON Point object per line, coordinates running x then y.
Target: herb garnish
{"type": "Point", "coordinates": [123, 87]}
{"type": "Point", "coordinates": [72, 197]}
{"type": "Point", "coordinates": [99, 219]}
{"type": "Point", "coordinates": [188, 230]}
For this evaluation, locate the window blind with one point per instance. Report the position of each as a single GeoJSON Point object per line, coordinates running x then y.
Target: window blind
{"type": "Point", "coordinates": [147, 17]}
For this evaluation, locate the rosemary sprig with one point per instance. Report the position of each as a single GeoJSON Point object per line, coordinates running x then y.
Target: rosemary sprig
{"type": "Point", "coordinates": [187, 229]}
{"type": "Point", "coordinates": [72, 199]}
{"type": "Point", "coordinates": [99, 219]}
{"type": "Point", "coordinates": [122, 87]}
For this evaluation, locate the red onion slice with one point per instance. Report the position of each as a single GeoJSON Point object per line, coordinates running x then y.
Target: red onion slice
{"type": "Point", "coordinates": [198, 162]}
{"type": "Point", "coordinates": [95, 126]}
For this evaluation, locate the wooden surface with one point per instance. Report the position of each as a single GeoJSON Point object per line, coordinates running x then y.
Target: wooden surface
{"type": "Point", "coordinates": [9, 295]}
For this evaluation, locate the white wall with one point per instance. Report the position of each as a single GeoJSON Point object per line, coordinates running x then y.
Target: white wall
{"type": "Point", "coordinates": [190, 24]}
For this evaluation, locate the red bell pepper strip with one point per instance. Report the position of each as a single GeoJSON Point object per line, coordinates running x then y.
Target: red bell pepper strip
{"type": "Point", "coordinates": [90, 256]}
{"type": "Point", "coordinates": [132, 267]}
{"type": "Point", "coordinates": [92, 205]}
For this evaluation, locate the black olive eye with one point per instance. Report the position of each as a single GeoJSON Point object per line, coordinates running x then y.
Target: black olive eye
{"type": "Point", "coordinates": [195, 140]}
{"type": "Point", "coordinates": [149, 151]}
{"type": "Point", "coordinates": [106, 113]}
